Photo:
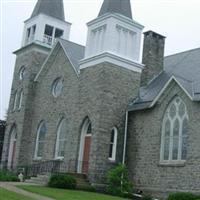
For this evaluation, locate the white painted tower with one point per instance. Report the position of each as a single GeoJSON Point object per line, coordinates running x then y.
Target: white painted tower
{"type": "Point", "coordinates": [46, 23]}
{"type": "Point", "coordinates": [114, 37]}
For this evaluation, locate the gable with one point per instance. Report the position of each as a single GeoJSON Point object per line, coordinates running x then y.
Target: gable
{"type": "Point", "coordinates": [72, 54]}
{"type": "Point", "coordinates": [150, 95]}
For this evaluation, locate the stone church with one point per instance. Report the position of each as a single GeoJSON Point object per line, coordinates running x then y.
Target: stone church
{"type": "Point", "coordinates": [91, 107]}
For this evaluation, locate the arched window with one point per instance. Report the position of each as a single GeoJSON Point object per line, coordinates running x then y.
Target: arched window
{"type": "Point", "coordinates": [22, 72]}
{"type": "Point", "coordinates": [113, 144]}
{"type": "Point", "coordinates": [40, 140]}
{"type": "Point", "coordinates": [61, 139]}
{"type": "Point", "coordinates": [15, 101]}
{"type": "Point", "coordinates": [174, 132]}
{"type": "Point", "coordinates": [57, 87]}
{"type": "Point", "coordinates": [19, 100]}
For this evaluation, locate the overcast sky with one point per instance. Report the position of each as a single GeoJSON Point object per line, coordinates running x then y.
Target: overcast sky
{"type": "Point", "coordinates": [178, 20]}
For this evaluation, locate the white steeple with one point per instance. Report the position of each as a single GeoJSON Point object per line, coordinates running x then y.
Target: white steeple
{"type": "Point", "coordinates": [46, 23]}
{"type": "Point", "coordinates": [114, 37]}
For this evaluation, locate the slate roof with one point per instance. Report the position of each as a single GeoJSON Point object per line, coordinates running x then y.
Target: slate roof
{"type": "Point", "coordinates": [184, 67]}
{"type": "Point", "coordinates": [53, 8]}
{"type": "Point", "coordinates": [122, 7]}
{"type": "Point", "coordinates": [75, 52]}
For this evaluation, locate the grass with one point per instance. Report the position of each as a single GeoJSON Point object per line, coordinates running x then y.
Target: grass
{"type": "Point", "coordinates": [63, 194]}
{"type": "Point", "coordinates": [8, 195]}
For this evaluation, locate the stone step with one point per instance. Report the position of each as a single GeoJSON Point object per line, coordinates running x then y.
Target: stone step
{"type": "Point", "coordinates": [78, 175]}
{"type": "Point", "coordinates": [35, 182]}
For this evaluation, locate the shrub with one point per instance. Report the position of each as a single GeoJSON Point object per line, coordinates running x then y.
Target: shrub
{"type": "Point", "coordinates": [6, 175]}
{"type": "Point", "coordinates": [183, 196]}
{"type": "Point", "coordinates": [118, 182]}
{"type": "Point", "coordinates": [147, 197]}
{"type": "Point", "coordinates": [62, 181]}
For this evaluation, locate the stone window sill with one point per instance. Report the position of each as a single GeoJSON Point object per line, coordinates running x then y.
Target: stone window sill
{"type": "Point", "coordinates": [37, 159]}
{"type": "Point", "coordinates": [180, 163]}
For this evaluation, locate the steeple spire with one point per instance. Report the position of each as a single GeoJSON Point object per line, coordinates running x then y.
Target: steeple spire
{"type": "Point", "coordinates": [53, 8]}
{"type": "Point", "coordinates": [122, 7]}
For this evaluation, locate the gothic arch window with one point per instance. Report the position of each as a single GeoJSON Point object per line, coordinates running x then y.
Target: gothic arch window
{"type": "Point", "coordinates": [61, 139]}
{"type": "Point", "coordinates": [22, 72]}
{"type": "Point", "coordinates": [19, 100]}
{"type": "Point", "coordinates": [113, 144]}
{"type": "Point", "coordinates": [40, 140]}
{"type": "Point", "coordinates": [57, 87]}
{"type": "Point", "coordinates": [15, 101]}
{"type": "Point", "coordinates": [174, 133]}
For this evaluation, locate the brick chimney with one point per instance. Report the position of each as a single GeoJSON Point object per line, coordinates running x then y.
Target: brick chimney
{"type": "Point", "coordinates": [153, 56]}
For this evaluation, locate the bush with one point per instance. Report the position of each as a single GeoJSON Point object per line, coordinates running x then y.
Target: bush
{"type": "Point", "coordinates": [62, 181]}
{"type": "Point", "coordinates": [118, 182]}
{"type": "Point", "coordinates": [183, 196]}
{"type": "Point", "coordinates": [147, 197]}
{"type": "Point", "coordinates": [6, 175]}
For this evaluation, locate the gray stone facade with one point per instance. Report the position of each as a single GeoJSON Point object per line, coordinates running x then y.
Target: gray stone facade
{"type": "Point", "coordinates": [144, 140]}
{"type": "Point", "coordinates": [103, 93]}
{"type": "Point", "coordinates": [32, 58]}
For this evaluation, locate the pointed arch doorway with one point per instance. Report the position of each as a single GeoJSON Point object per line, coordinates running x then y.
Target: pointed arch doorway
{"type": "Point", "coordinates": [12, 148]}
{"type": "Point", "coordinates": [84, 148]}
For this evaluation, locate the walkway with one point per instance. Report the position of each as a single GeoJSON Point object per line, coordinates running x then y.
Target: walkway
{"type": "Point", "coordinates": [12, 187]}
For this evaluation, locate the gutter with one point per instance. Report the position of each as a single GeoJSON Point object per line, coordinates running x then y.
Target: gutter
{"type": "Point", "coordinates": [125, 138]}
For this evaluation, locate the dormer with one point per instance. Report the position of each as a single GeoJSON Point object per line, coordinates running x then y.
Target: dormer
{"type": "Point", "coordinates": [46, 24]}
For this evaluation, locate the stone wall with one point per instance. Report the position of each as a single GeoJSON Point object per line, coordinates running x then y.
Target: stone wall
{"type": "Point", "coordinates": [32, 59]}
{"type": "Point", "coordinates": [143, 153]}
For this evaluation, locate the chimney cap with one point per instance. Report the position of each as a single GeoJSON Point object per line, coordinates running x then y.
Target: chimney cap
{"type": "Point", "coordinates": [154, 34]}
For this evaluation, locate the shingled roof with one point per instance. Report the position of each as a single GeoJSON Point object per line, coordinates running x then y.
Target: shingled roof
{"type": "Point", "coordinates": [53, 8]}
{"type": "Point", "coordinates": [184, 68]}
{"type": "Point", "coordinates": [122, 7]}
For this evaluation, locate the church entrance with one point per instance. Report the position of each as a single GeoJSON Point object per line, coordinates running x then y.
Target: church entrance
{"type": "Point", "coordinates": [84, 149]}
{"type": "Point", "coordinates": [12, 148]}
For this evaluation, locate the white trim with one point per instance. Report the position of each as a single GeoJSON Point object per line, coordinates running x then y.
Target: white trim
{"type": "Point", "coordinates": [125, 138]}
{"type": "Point", "coordinates": [116, 16]}
{"type": "Point", "coordinates": [114, 145]}
{"type": "Point", "coordinates": [53, 18]}
{"type": "Point", "coordinates": [172, 120]}
{"type": "Point", "coordinates": [113, 59]}
{"type": "Point", "coordinates": [165, 87]}
{"type": "Point", "coordinates": [82, 143]}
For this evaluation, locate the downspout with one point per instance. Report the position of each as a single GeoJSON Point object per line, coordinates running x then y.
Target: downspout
{"type": "Point", "coordinates": [125, 138]}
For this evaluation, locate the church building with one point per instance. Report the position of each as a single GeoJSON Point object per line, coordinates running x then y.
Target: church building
{"type": "Point", "coordinates": [89, 108]}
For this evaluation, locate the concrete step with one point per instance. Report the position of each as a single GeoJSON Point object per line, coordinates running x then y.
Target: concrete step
{"type": "Point", "coordinates": [78, 175]}
{"type": "Point", "coordinates": [40, 179]}
{"type": "Point", "coordinates": [35, 182]}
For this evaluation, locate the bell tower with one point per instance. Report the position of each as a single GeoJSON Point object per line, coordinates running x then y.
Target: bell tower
{"type": "Point", "coordinates": [114, 37]}
{"type": "Point", "coordinates": [46, 24]}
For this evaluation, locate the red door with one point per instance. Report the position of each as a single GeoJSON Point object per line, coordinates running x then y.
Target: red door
{"type": "Point", "coordinates": [86, 154]}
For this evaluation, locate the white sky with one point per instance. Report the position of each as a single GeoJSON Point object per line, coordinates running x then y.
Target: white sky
{"type": "Point", "coordinates": [178, 20]}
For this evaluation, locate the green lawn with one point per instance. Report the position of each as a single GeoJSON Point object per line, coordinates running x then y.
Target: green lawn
{"type": "Point", "coordinates": [63, 194]}
{"type": "Point", "coordinates": [7, 195]}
